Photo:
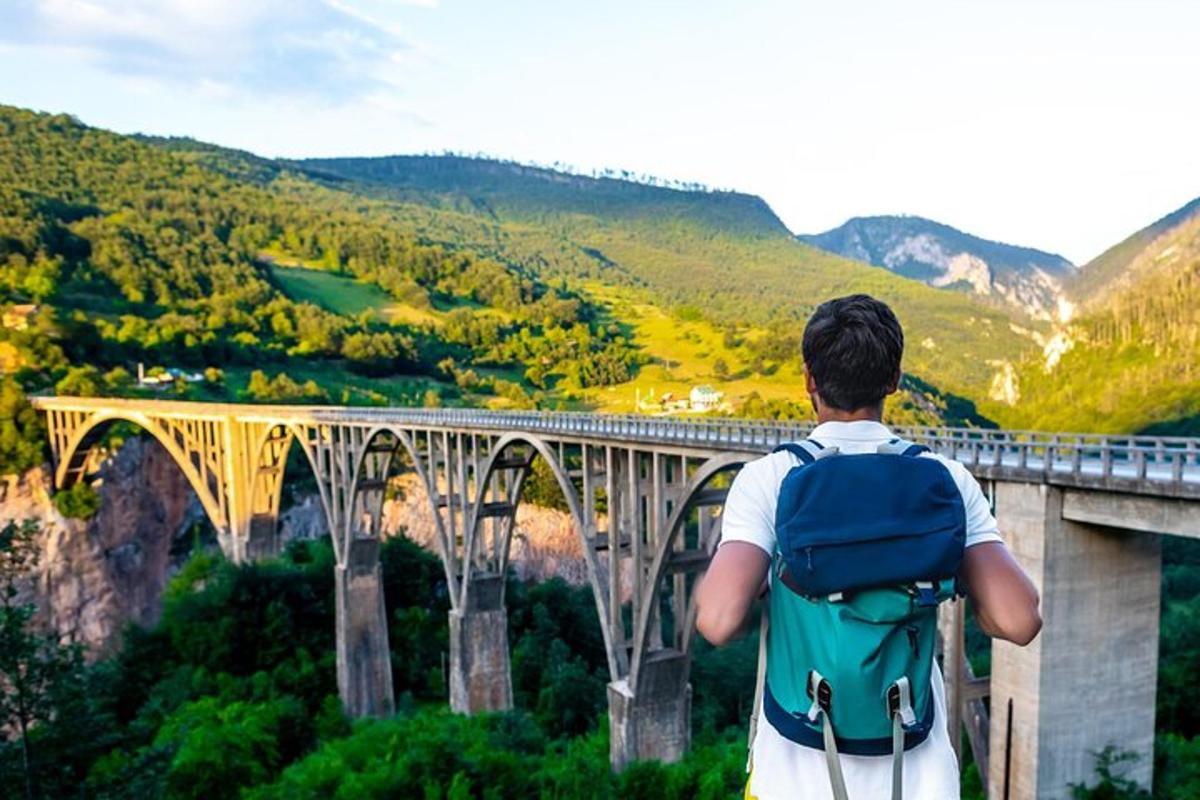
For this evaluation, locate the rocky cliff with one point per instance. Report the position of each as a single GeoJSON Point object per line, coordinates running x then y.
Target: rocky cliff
{"type": "Point", "coordinates": [95, 576]}
{"type": "Point", "coordinates": [544, 542]}
{"type": "Point", "coordinates": [98, 575]}
{"type": "Point", "coordinates": [941, 256]}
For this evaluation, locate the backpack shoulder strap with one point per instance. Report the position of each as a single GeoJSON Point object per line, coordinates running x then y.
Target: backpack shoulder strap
{"type": "Point", "coordinates": [901, 447]}
{"type": "Point", "coordinates": [807, 450]}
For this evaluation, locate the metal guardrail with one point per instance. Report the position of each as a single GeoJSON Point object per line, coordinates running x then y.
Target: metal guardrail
{"type": "Point", "coordinates": [1156, 464]}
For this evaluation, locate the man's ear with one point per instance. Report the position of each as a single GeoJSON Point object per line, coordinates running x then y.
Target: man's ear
{"type": "Point", "coordinates": [895, 386]}
{"type": "Point", "coordinates": [810, 386]}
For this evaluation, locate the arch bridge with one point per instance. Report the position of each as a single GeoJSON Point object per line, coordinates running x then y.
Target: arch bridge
{"type": "Point", "coordinates": [1082, 513]}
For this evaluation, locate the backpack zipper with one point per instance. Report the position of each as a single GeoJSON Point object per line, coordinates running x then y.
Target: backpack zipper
{"type": "Point", "coordinates": [808, 552]}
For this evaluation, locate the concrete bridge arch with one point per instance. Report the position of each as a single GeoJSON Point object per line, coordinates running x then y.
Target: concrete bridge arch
{"type": "Point", "coordinates": [77, 456]}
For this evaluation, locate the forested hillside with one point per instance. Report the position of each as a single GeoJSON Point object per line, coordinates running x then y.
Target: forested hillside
{"type": "Point", "coordinates": [517, 191]}
{"type": "Point", "coordinates": [721, 256]}
{"type": "Point", "coordinates": [233, 694]}
{"type": "Point", "coordinates": [1104, 275]}
{"type": "Point", "coordinates": [419, 280]}
{"type": "Point", "coordinates": [443, 279]}
{"type": "Point", "coordinates": [1132, 353]}
{"type": "Point", "coordinates": [118, 251]}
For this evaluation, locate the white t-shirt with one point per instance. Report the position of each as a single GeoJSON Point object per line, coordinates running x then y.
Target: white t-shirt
{"type": "Point", "coordinates": [782, 769]}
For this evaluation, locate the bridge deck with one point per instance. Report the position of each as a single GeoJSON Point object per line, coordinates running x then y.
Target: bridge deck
{"type": "Point", "coordinates": [1150, 465]}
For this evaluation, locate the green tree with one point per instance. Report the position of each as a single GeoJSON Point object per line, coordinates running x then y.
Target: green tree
{"type": "Point", "coordinates": [1112, 784]}
{"type": "Point", "coordinates": [371, 353]}
{"type": "Point", "coordinates": [221, 749]}
{"type": "Point", "coordinates": [117, 381]}
{"type": "Point", "coordinates": [282, 389]}
{"type": "Point", "coordinates": [22, 431]}
{"type": "Point", "coordinates": [36, 671]}
{"type": "Point", "coordinates": [82, 381]}
{"type": "Point", "coordinates": [80, 501]}
{"type": "Point", "coordinates": [541, 487]}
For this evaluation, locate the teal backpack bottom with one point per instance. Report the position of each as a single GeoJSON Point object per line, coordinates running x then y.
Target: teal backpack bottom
{"type": "Point", "coordinates": [867, 659]}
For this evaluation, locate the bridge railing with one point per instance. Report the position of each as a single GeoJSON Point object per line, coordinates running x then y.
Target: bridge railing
{"type": "Point", "coordinates": [1153, 458]}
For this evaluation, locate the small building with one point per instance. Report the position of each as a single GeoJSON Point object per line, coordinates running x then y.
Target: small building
{"type": "Point", "coordinates": [165, 378]}
{"type": "Point", "coordinates": [705, 398]}
{"type": "Point", "coordinates": [18, 317]}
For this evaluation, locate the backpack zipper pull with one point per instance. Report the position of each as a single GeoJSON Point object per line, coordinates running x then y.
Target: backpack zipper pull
{"type": "Point", "coordinates": [808, 552]}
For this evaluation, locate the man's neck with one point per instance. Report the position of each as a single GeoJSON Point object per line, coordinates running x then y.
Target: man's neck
{"type": "Point", "coordinates": [858, 415]}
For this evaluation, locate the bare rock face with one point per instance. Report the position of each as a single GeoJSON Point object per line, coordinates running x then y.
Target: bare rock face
{"type": "Point", "coordinates": [304, 520]}
{"type": "Point", "coordinates": [544, 543]}
{"type": "Point", "coordinates": [93, 577]}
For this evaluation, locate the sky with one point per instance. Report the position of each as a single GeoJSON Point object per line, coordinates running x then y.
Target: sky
{"type": "Point", "coordinates": [1053, 124]}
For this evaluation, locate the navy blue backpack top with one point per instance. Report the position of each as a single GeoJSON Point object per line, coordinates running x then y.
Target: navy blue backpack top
{"type": "Point", "coordinates": [869, 520]}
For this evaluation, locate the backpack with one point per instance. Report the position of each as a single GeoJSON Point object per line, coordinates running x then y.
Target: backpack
{"type": "Point", "coordinates": [867, 546]}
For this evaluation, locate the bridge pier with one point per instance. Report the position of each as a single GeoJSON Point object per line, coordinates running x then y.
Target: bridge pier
{"type": "Point", "coordinates": [364, 663]}
{"type": "Point", "coordinates": [653, 722]}
{"type": "Point", "coordinates": [1089, 680]}
{"type": "Point", "coordinates": [262, 537]}
{"type": "Point", "coordinates": [480, 675]}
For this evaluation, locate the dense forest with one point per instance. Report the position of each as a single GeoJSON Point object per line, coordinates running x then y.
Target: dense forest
{"type": "Point", "coordinates": [233, 695]}
{"type": "Point", "coordinates": [130, 253]}
{"type": "Point", "coordinates": [227, 276]}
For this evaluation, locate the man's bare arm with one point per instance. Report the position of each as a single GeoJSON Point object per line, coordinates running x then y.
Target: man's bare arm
{"type": "Point", "coordinates": [1004, 599]}
{"type": "Point", "coordinates": [728, 589]}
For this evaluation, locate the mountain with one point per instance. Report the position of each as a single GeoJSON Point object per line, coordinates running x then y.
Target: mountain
{"type": "Point", "coordinates": [722, 257]}
{"type": "Point", "coordinates": [945, 257]}
{"type": "Point", "coordinates": [429, 279]}
{"type": "Point", "coordinates": [1130, 358]}
{"type": "Point", "coordinates": [1124, 264]}
{"type": "Point", "coordinates": [518, 191]}
{"type": "Point", "coordinates": [180, 255]}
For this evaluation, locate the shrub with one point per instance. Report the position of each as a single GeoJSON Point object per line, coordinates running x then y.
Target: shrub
{"type": "Point", "coordinates": [80, 501]}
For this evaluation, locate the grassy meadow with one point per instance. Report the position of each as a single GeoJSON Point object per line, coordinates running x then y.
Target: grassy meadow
{"type": "Point", "coordinates": [343, 294]}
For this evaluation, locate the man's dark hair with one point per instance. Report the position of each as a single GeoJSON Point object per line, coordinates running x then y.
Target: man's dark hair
{"type": "Point", "coordinates": [852, 346]}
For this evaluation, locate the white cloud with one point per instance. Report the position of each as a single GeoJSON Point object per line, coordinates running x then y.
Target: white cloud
{"type": "Point", "coordinates": [335, 51]}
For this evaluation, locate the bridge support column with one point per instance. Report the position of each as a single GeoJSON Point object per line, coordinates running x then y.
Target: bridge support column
{"type": "Point", "coordinates": [1088, 681]}
{"type": "Point", "coordinates": [364, 664]}
{"type": "Point", "coordinates": [480, 676]}
{"type": "Point", "coordinates": [262, 537]}
{"type": "Point", "coordinates": [654, 722]}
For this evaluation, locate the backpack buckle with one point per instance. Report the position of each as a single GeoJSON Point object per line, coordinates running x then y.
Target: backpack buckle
{"type": "Point", "coordinates": [821, 693]}
{"type": "Point", "coordinates": [899, 702]}
{"type": "Point", "coordinates": [926, 595]}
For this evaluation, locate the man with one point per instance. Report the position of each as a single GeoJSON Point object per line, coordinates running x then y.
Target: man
{"type": "Point", "coordinates": [852, 349]}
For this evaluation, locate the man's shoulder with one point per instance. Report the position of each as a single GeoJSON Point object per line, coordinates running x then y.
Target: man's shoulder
{"type": "Point", "coordinates": [767, 471]}
{"type": "Point", "coordinates": [779, 461]}
{"type": "Point", "coordinates": [957, 469]}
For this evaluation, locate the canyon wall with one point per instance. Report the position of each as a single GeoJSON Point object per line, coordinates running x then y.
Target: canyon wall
{"type": "Point", "coordinates": [93, 577]}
